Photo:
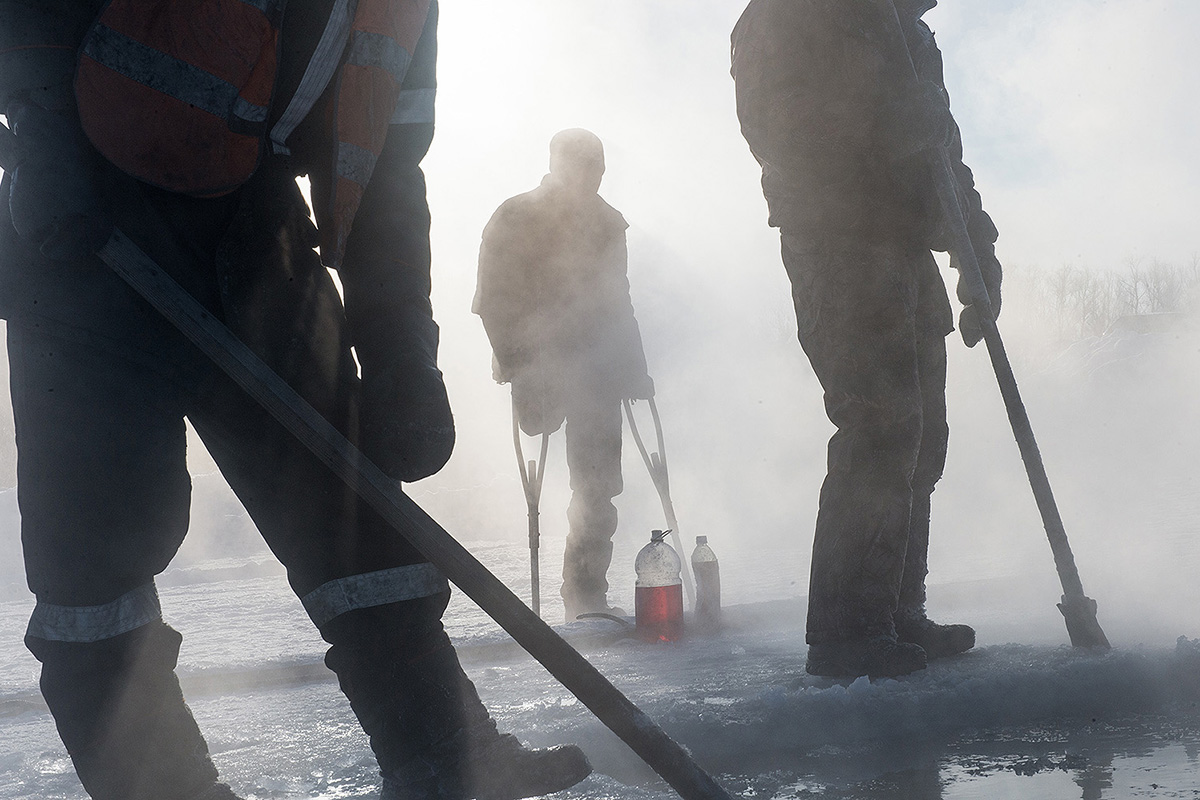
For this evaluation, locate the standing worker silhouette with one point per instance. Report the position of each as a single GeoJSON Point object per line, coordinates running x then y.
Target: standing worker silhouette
{"type": "Point", "coordinates": [553, 295]}
{"type": "Point", "coordinates": [826, 106]}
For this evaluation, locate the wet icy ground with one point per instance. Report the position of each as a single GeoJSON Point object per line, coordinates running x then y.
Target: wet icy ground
{"type": "Point", "coordinates": [1034, 720]}
{"type": "Point", "coordinates": [1023, 716]}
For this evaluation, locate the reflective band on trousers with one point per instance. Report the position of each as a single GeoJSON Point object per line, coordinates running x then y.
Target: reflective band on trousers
{"type": "Point", "coordinates": [128, 612]}
{"type": "Point", "coordinates": [372, 589]}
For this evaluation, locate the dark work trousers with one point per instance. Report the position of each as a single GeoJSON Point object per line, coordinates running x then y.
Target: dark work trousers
{"type": "Point", "coordinates": [593, 433]}
{"type": "Point", "coordinates": [594, 461]}
{"type": "Point", "coordinates": [872, 319]}
{"type": "Point", "coordinates": [100, 395]}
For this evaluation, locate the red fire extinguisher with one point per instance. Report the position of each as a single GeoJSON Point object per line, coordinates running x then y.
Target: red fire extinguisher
{"type": "Point", "coordinates": [658, 597]}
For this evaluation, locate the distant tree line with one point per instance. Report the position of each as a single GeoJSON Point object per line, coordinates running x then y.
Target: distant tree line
{"type": "Point", "coordinates": [1072, 303]}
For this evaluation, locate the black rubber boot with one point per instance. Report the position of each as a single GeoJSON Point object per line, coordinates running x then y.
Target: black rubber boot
{"type": "Point", "coordinates": [431, 734]}
{"type": "Point", "coordinates": [123, 719]}
{"type": "Point", "coordinates": [874, 656]}
{"type": "Point", "coordinates": [488, 766]}
{"type": "Point", "coordinates": [938, 641]}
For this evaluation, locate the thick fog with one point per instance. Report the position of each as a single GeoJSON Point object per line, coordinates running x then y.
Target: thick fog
{"type": "Point", "coordinates": [1079, 122]}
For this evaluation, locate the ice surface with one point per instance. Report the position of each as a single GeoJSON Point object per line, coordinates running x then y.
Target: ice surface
{"type": "Point", "coordinates": [1022, 716]}
{"type": "Point", "coordinates": [1005, 720]}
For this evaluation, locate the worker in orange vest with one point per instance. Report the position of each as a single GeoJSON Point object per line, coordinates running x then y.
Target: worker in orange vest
{"type": "Point", "coordinates": [185, 126]}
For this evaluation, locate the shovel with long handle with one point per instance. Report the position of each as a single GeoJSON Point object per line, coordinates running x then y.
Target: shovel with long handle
{"type": "Point", "coordinates": [1077, 609]}
{"type": "Point", "coordinates": [656, 464]}
{"type": "Point", "coordinates": [612, 708]}
{"type": "Point", "coordinates": [531, 481]}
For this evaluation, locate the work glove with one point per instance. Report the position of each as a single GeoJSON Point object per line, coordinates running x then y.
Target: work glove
{"type": "Point", "coordinates": [539, 402]}
{"type": "Point", "coordinates": [969, 325]}
{"type": "Point", "coordinates": [54, 196]}
{"type": "Point", "coordinates": [405, 421]}
{"type": "Point", "coordinates": [641, 388]}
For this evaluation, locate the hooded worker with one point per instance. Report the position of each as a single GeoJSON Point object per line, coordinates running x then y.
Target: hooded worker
{"type": "Point", "coordinates": [828, 105]}
{"type": "Point", "coordinates": [170, 123]}
{"type": "Point", "coordinates": [553, 295]}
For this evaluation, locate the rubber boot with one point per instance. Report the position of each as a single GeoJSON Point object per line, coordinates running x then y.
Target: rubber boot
{"type": "Point", "coordinates": [123, 719]}
{"type": "Point", "coordinates": [873, 656]}
{"type": "Point", "coordinates": [938, 641]}
{"type": "Point", "coordinates": [430, 732]}
{"type": "Point", "coordinates": [912, 623]}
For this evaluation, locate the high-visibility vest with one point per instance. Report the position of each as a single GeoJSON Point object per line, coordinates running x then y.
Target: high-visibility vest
{"type": "Point", "coordinates": [177, 93]}
{"type": "Point", "coordinates": [380, 48]}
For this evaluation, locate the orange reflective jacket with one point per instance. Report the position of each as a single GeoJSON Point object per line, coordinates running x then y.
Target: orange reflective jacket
{"type": "Point", "coordinates": [178, 94]}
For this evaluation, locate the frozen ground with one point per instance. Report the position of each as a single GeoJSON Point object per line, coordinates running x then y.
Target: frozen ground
{"type": "Point", "coordinates": [1008, 720]}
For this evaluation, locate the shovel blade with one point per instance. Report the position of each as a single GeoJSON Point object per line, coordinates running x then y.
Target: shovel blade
{"type": "Point", "coordinates": [1082, 626]}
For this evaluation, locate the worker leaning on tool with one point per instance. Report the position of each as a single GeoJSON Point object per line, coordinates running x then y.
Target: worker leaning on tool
{"type": "Point", "coordinates": [160, 121]}
{"type": "Point", "coordinates": [553, 295]}
{"type": "Point", "coordinates": [841, 138]}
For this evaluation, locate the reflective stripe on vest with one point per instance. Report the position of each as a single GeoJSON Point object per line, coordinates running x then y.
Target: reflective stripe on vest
{"type": "Point", "coordinates": [382, 40]}
{"type": "Point", "coordinates": [177, 94]}
{"type": "Point", "coordinates": [171, 76]}
{"type": "Point", "coordinates": [85, 624]}
{"type": "Point", "coordinates": [372, 589]}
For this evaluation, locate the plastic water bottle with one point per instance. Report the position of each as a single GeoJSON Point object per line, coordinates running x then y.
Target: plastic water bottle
{"type": "Point", "coordinates": [708, 587]}
{"type": "Point", "coordinates": [658, 596]}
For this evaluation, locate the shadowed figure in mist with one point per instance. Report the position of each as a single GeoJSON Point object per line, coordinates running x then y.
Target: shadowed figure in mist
{"type": "Point", "coordinates": [102, 384]}
{"type": "Point", "coordinates": [554, 299]}
{"type": "Point", "coordinates": [829, 109]}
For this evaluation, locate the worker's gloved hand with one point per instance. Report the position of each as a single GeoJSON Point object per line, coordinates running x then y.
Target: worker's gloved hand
{"type": "Point", "coordinates": [538, 401]}
{"type": "Point", "coordinates": [407, 426]}
{"type": "Point", "coordinates": [55, 196]}
{"type": "Point", "coordinates": [405, 421]}
{"type": "Point", "coordinates": [642, 388]}
{"type": "Point", "coordinates": [969, 325]}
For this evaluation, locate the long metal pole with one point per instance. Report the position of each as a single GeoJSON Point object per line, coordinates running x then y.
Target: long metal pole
{"type": "Point", "coordinates": [612, 708]}
{"type": "Point", "coordinates": [1078, 610]}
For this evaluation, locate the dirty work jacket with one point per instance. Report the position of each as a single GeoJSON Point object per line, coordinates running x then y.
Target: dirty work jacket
{"type": "Point", "coordinates": [822, 107]}
{"type": "Point", "coordinates": [553, 292]}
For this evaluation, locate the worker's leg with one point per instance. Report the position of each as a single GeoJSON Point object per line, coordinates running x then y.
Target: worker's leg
{"type": "Point", "coordinates": [374, 597]}
{"type": "Point", "coordinates": [594, 460]}
{"type": "Point", "coordinates": [934, 321]}
{"type": "Point", "coordinates": [856, 311]}
{"type": "Point", "coordinates": [104, 490]}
